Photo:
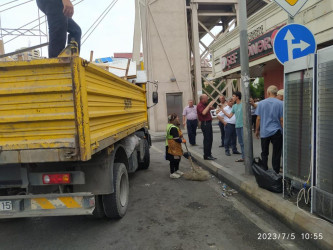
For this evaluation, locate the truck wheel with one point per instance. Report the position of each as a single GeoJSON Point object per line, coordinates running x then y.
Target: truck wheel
{"type": "Point", "coordinates": [146, 159]}
{"type": "Point", "coordinates": [115, 204]}
{"type": "Point", "coordinates": [99, 208]}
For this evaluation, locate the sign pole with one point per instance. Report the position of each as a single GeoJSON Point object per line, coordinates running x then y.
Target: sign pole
{"type": "Point", "coordinates": [245, 81]}
{"type": "Point", "coordinates": [290, 19]}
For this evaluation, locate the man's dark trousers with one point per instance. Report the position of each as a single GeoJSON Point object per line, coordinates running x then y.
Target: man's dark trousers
{"type": "Point", "coordinates": [192, 130]}
{"type": "Point", "coordinates": [230, 138]}
{"type": "Point", "coordinates": [276, 140]}
{"type": "Point", "coordinates": [59, 25]}
{"type": "Point", "coordinates": [207, 131]}
{"type": "Point", "coordinates": [221, 125]}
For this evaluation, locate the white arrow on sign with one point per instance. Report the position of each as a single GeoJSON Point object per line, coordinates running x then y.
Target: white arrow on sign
{"type": "Point", "coordinates": [291, 46]}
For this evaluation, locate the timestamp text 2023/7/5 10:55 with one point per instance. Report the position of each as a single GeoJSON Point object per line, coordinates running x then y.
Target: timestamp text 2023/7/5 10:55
{"type": "Point", "coordinates": [289, 236]}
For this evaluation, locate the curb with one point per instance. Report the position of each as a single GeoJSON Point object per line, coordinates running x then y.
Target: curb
{"type": "Point", "coordinates": [299, 220]}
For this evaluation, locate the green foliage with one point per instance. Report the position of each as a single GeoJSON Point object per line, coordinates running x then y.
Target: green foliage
{"type": "Point", "coordinates": [258, 90]}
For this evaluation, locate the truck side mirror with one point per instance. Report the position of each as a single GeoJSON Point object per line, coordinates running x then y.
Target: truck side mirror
{"type": "Point", "coordinates": [155, 97]}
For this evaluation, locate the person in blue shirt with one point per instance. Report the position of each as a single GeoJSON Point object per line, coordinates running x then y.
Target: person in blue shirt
{"type": "Point", "coordinates": [269, 127]}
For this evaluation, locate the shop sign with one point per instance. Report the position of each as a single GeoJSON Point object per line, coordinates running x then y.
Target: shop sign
{"type": "Point", "coordinates": [257, 48]}
{"type": "Point", "coordinates": [294, 41]}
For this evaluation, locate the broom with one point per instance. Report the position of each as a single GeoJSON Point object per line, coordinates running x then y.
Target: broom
{"type": "Point", "coordinates": [196, 173]}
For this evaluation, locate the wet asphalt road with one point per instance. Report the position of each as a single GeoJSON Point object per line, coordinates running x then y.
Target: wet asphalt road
{"type": "Point", "coordinates": [162, 214]}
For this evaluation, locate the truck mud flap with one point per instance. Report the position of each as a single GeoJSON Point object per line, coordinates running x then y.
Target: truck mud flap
{"type": "Point", "coordinates": [46, 205]}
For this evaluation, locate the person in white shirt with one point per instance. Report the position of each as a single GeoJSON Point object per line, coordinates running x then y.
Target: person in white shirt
{"type": "Point", "coordinates": [229, 128]}
{"type": "Point", "coordinates": [254, 105]}
{"type": "Point", "coordinates": [221, 105]}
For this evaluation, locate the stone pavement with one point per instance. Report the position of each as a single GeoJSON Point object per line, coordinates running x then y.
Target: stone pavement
{"type": "Point", "coordinates": [233, 173]}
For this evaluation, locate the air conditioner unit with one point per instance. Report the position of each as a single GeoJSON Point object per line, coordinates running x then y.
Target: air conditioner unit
{"type": "Point", "coordinates": [298, 119]}
{"type": "Point", "coordinates": [322, 203]}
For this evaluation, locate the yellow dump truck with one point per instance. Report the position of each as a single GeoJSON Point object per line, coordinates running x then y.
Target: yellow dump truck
{"type": "Point", "coordinates": [70, 132]}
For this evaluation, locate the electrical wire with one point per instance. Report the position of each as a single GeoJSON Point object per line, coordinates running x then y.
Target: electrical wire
{"type": "Point", "coordinates": [10, 33]}
{"type": "Point", "coordinates": [8, 3]}
{"type": "Point", "coordinates": [32, 27]}
{"type": "Point", "coordinates": [303, 191]}
{"type": "Point", "coordinates": [43, 16]}
{"type": "Point", "coordinates": [23, 33]}
{"type": "Point", "coordinates": [16, 6]}
{"type": "Point", "coordinates": [97, 20]}
{"type": "Point", "coordinates": [109, 9]}
{"type": "Point", "coordinates": [308, 214]}
{"type": "Point", "coordinates": [306, 195]}
{"type": "Point", "coordinates": [113, 3]}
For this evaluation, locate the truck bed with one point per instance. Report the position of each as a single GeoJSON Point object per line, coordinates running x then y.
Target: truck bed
{"type": "Point", "coordinates": [64, 109]}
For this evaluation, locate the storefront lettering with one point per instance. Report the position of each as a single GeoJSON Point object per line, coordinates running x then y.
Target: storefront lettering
{"type": "Point", "coordinates": [260, 46]}
{"type": "Point", "coordinates": [232, 59]}
{"type": "Point", "coordinates": [257, 48]}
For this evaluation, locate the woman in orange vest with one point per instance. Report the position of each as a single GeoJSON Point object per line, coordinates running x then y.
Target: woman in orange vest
{"type": "Point", "coordinates": [173, 146]}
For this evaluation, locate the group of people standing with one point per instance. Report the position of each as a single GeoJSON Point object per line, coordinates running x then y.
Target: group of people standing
{"type": "Point", "coordinates": [230, 122]}
{"type": "Point", "coordinates": [268, 127]}
{"type": "Point", "coordinates": [230, 118]}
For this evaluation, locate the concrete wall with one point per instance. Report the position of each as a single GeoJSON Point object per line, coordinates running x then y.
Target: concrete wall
{"type": "Point", "coordinates": [166, 54]}
{"type": "Point", "coordinates": [273, 75]}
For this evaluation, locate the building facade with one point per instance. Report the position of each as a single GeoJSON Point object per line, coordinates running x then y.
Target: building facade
{"type": "Point", "coordinates": [27, 56]}
{"type": "Point", "coordinates": [166, 58]}
{"type": "Point", "coordinates": [263, 25]}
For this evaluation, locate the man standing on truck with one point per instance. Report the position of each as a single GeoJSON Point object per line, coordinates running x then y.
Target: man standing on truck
{"type": "Point", "coordinates": [59, 18]}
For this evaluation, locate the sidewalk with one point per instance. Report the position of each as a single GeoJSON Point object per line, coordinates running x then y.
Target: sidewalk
{"type": "Point", "coordinates": [233, 173]}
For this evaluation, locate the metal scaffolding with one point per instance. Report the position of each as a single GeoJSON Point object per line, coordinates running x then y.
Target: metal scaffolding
{"type": "Point", "coordinates": [203, 16]}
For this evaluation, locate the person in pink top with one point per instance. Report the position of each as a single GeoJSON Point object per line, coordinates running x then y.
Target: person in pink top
{"type": "Point", "coordinates": [190, 120]}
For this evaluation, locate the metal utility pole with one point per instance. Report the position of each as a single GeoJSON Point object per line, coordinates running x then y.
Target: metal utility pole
{"type": "Point", "coordinates": [245, 81]}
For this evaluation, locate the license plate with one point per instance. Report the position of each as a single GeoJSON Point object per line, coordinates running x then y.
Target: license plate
{"type": "Point", "coordinates": [6, 206]}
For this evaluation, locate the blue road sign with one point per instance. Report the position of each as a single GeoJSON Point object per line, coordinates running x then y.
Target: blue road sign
{"type": "Point", "coordinates": [293, 41]}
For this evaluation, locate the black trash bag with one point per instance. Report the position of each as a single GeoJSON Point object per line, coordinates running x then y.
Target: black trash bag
{"type": "Point", "coordinates": [267, 179]}
{"type": "Point", "coordinates": [187, 155]}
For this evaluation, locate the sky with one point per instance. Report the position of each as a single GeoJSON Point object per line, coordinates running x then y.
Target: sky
{"type": "Point", "coordinates": [114, 33]}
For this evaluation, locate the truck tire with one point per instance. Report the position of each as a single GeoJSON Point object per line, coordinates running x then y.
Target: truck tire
{"type": "Point", "coordinates": [99, 208]}
{"type": "Point", "coordinates": [115, 204]}
{"type": "Point", "coordinates": [146, 159]}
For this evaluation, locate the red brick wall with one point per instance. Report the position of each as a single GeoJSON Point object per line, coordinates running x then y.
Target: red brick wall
{"type": "Point", "coordinates": [273, 75]}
